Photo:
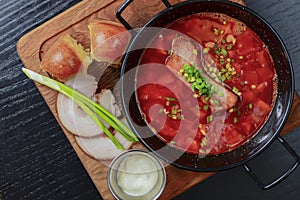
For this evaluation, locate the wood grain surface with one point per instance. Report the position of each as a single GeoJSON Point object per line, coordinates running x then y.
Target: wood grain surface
{"type": "Point", "coordinates": [74, 21]}
{"type": "Point", "coordinates": [37, 160]}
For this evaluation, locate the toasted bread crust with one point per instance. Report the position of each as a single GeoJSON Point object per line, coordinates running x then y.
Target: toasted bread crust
{"type": "Point", "coordinates": [109, 40]}
{"type": "Point", "coordinates": [65, 58]}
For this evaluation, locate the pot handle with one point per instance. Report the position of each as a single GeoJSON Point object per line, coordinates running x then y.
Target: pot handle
{"type": "Point", "coordinates": [283, 176]}
{"type": "Point", "coordinates": [125, 5]}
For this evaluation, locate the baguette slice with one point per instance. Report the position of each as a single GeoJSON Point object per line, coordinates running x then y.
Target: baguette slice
{"type": "Point", "coordinates": [65, 59]}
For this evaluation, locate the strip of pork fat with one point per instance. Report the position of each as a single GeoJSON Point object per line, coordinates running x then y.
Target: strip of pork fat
{"type": "Point", "coordinates": [182, 53]}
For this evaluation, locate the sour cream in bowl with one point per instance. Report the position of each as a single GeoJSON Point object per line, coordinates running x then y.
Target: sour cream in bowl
{"type": "Point", "coordinates": [136, 174]}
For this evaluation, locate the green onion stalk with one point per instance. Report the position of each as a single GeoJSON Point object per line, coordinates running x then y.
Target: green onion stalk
{"type": "Point", "coordinates": [93, 109]}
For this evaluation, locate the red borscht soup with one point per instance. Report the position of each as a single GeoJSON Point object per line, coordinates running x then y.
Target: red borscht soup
{"type": "Point", "coordinates": [206, 84]}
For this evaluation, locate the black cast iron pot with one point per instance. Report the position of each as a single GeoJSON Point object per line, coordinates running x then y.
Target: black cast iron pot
{"type": "Point", "coordinates": [263, 138]}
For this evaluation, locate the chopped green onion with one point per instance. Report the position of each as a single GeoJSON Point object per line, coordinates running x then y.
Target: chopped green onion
{"type": "Point", "coordinates": [199, 80]}
{"type": "Point", "coordinates": [235, 120]}
{"type": "Point", "coordinates": [239, 113]}
{"type": "Point", "coordinates": [174, 111]}
{"type": "Point", "coordinates": [170, 99]}
{"type": "Point", "coordinates": [203, 142]}
{"type": "Point", "coordinates": [250, 105]}
{"type": "Point", "coordinates": [203, 91]}
{"type": "Point", "coordinates": [235, 90]}
{"type": "Point", "coordinates": [181, 117]}
{"type": "Point", "coordinates": [228, 65]}
{"type": "Point", "coordinates": [220, 94]}
{"type": "Point", "coordinates": [173, 142]}
{"type": "Point", "coordinates": [228, 76]}
{"type": "Point", "coordinates": [206, 99]}
{"type": "Point", "coordinates": [201, 151]}
{"type": "Point", "coordinates": [206, 50]}
{"type": "Point", "coordinates": [216, 31]}
{"type": "Point", "coordinates": [229, 47]}
{"type": "Point", "coordinates": [161, 110]}
{"type": "Point", "coordinates": [193, 76]}
{"type": "Point", "coordinates": [224, 52]}
{"type": "Point", "coordinates": [223, 70]}
{"type": "Point", "coordinates": [209, 118]}
{"type": "Point", "coordinates": [192, 79]}
{"type": "Point", "coordinates": [223, 78]}
{"type": "Point", "coordinates": [172, 116]}
{"type": "Point", "coordinates": [205, 107]}
{"type": "Point", "coordinates": [234, 108]}
{"type": "Point", "coordinates": [217, 52]}
{"type": "Point", "coordinates": [217, 102]}
{"type": "Point", "coordinates": [195, 52]}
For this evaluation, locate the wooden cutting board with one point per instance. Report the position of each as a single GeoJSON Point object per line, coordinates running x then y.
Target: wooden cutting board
{"type": "Point", "coordinates": [74, 21]}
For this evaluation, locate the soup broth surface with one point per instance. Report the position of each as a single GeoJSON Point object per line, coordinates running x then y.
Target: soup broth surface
{"type": "Point", "coordinates": [184, 97]}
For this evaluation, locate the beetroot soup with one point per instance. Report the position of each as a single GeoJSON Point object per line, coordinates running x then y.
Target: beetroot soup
{"type": "Point", "coordinates": [207, 86]}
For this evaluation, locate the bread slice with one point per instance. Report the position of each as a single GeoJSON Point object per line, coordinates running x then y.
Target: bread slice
{"type": "Point", "coordinates": [109, 40]}
{"type": "Point", "coordinates": [65, 58]}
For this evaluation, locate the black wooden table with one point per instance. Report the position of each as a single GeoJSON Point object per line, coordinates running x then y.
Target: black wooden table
{"type": "Point", "coordinates": [36, 159]}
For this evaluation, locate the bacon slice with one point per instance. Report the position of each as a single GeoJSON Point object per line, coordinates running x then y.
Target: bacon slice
{"type": "Point", "coordinates": [101, 147]}
{"type": "Point", "coordinates": [73, 117]}
{"type": "Point", "coordinates": [183, 52]}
